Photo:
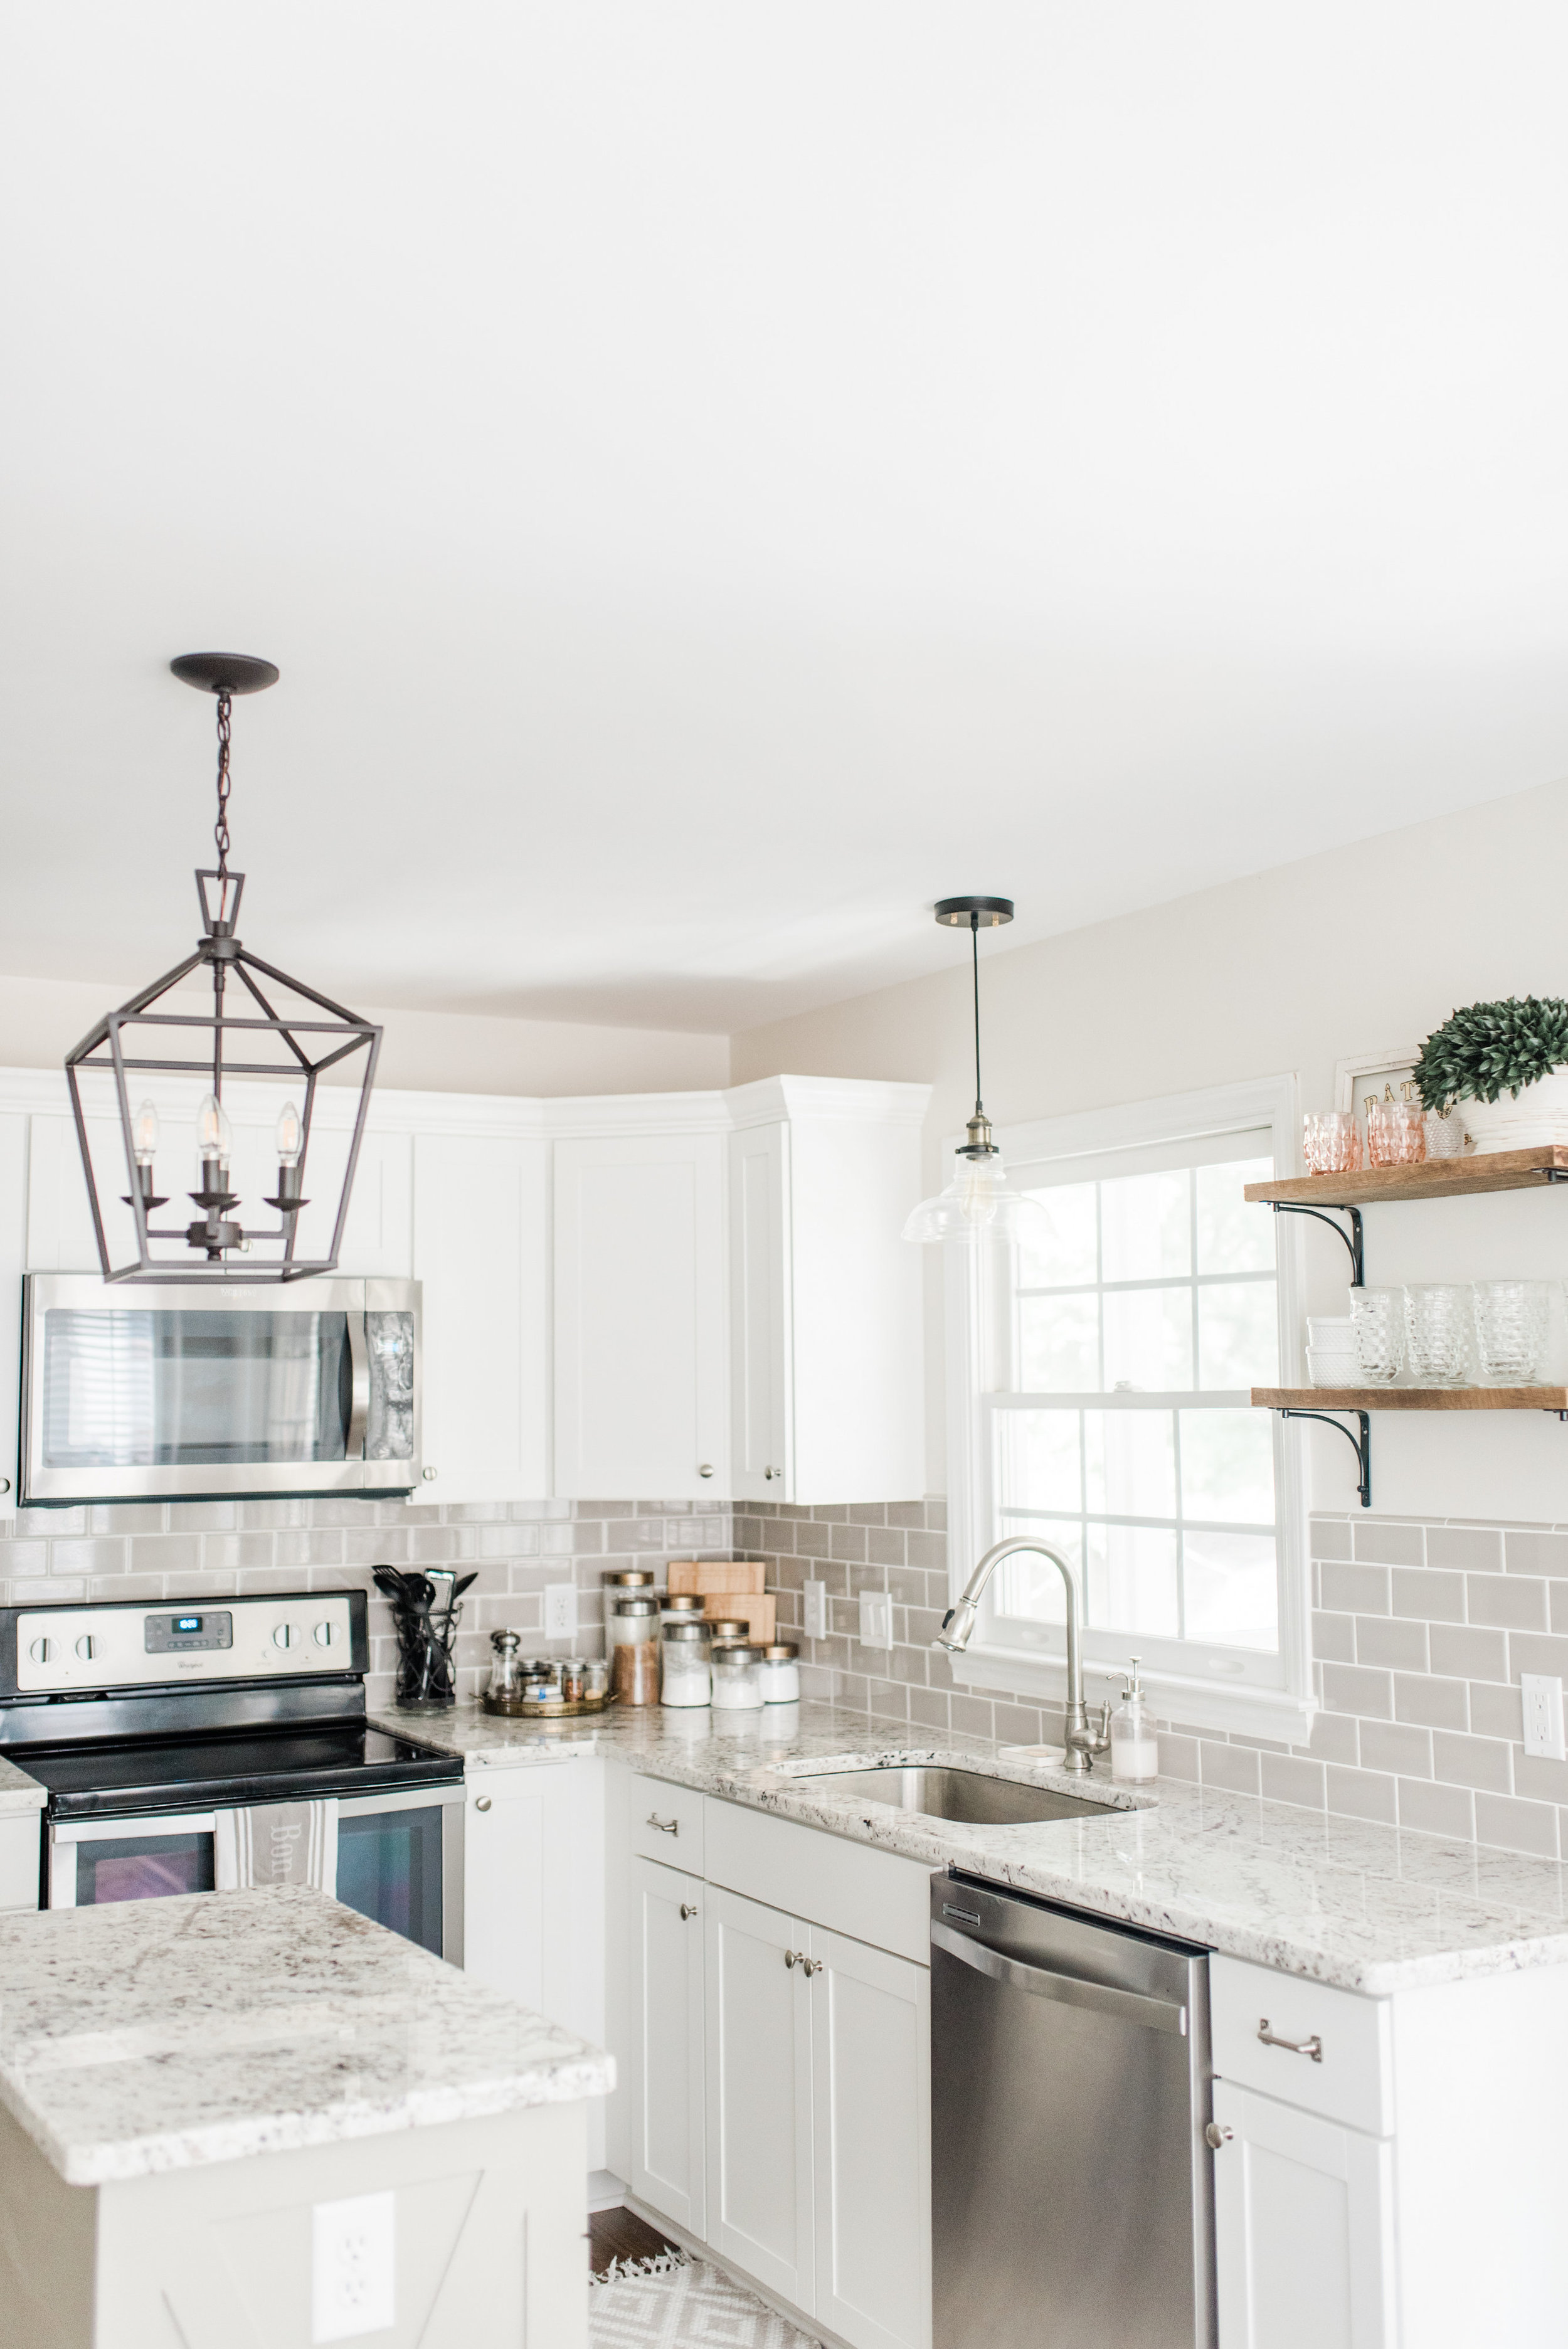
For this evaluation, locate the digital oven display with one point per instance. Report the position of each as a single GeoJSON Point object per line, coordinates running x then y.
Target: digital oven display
{"type": "Point", "coordinates": [184, 1634]}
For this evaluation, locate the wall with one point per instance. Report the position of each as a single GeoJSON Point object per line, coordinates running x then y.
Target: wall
{"type": "Point", "coordinates": [1421, 1633]}
{"type": "Point", "coordinates": [422, 1051]}
{"type": "Point", "coordinates": [1356, 951]}
{"type": "Point", "coordinates": [227, 1548]}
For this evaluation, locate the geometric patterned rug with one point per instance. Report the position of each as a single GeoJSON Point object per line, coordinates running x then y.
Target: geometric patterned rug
{"type": "Point", "coordinates": [677, 2304]}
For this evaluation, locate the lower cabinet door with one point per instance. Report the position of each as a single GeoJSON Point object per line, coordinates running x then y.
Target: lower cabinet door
{"type": "Point", "coordinates": [667, 2104]}
{"type": "Point", "coordinates": [871, 2108]}
{"type": "Point", "coordinates": [758, 2078]}
{"type": "Point", "coordinates": [1303, 2229]}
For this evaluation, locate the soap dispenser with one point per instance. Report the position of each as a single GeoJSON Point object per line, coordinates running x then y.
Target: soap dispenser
{"type": "Point", "coordinates": [1134, 1747]}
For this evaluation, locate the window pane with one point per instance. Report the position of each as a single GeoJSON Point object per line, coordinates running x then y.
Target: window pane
{"type": "Point", "coordinates": [1060, 1255]}
{"type": "Point", "coordinates": [1058, 1344]}
{"type": "Point", "coordinates": [1038, 1460]}
{"type": "Point", "coordinates": [1033, 1587]}
{"type": "Point", "coordinates": [1149, 1340]}
{"type": "Point", "coordinates": [1129, 1463]}
{"type": "Point", "coordinates": [1238, 1338]}
{"type": "Point", "coordinates": [1145, 1229]}
{"type": "Point", "coordinates": [1232, 1589]}
{"type": "Point", "coordinates": [1132, 1580]}
{"type": "Point", "coordinates": [1231, 1236]}
{"type": "Point", "coordinates": [1227, 1467]}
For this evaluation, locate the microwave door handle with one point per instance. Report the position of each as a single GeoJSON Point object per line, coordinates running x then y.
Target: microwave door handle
{"type": "Point", "coordinates": [359, 1402]}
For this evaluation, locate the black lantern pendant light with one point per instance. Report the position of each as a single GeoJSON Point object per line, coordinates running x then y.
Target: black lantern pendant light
{"type": "Point", "coordinates": [976, 1204]}
{"type": "Point", "coordinates": [245, 1035]}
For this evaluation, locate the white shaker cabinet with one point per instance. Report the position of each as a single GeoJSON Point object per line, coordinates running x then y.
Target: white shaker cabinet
{"type": "Point", "coordinates": [479, 1224]}
{"type": "Point", "coordinates": [534, 1894]}
{"type": "Point", "coordinates": [642, 1367]}
{"type": "Point", "coordinates": [758, 2062]}
{"type": "Point", "coordinates": [667, 2116]}
{"type": "Point", "coordinates": [826, 1348]}
{"type": "Point", "coordinates": [1303, 2223]}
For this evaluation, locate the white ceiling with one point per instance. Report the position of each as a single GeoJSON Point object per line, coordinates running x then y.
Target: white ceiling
{"type": "Point", "coordinates": [715, 478]}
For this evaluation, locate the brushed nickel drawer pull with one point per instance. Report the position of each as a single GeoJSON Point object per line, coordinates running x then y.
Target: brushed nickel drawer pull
{"type": "Point", "coordinates": [810, 1966]}
{"type": "Point", "coordinates": [482, 1802]}
{"type": "Point", "coordinates": [793, 1958]}
{"type": "Point", "coordinates": [688, 1911]}
{"type": "Point", "coordinates": [1312, 2046]}
{"type": "Point", "coordinates": [664, 1826]}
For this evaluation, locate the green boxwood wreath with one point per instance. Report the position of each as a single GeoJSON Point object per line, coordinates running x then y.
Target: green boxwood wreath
{"type": "Point", "coordinates": [1491, 1048]}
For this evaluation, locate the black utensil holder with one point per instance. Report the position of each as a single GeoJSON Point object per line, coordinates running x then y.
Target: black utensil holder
{"type": "Point", "coordinates": [426, 1672]}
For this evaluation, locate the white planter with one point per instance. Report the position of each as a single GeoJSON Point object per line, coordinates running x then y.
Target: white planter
{"type": "Point", "coordinates": [1537, 1113]}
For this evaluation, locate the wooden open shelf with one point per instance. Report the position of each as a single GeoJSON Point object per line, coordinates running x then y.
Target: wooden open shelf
{"type": "Point", "coordinates": [1434, 1178]}
{"type": "Point", "coordinates": [1411, 1398]}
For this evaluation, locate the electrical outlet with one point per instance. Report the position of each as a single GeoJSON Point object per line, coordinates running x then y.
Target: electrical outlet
{"type": "Point", "coordinates": [353, 2267]}
{"type": "Point", "coordinates": [876, 1620]}
{"type": "Point", "coordinates": [816, 1610]}
{"type": "Point", "coordinates": [560, 1610]}
{"type": "Point", "coordinates": [1543, 1694]}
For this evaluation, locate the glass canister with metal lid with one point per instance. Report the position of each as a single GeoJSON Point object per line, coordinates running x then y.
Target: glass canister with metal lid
{"type": "Point", "coordinates": [737, 1678]}
{"type": "Point", "coordinates": [506, 1682]}
{"type": "Point", "coordinates": [635, 1651]}
{"type": "Point", "coordinates": [780, 1673]}
{"type": "Point", "coordinates": [626, 1582]}
{"type": "Point", "coordinates": [681, 1607]}
{"type": "Point", "coordinates": [687, 1670]}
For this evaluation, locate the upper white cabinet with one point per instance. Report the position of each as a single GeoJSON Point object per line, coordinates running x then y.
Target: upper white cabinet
{"type": "Point", "coordinates": [640, 1350]}
{"type": "Point", "coordinates": [825, 1298]}
{"type": "Point", "coordinates": [479, 1219]}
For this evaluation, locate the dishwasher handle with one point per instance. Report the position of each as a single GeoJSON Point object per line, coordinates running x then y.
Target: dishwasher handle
{"type": "Point", "coordinates": [1067, 1989]}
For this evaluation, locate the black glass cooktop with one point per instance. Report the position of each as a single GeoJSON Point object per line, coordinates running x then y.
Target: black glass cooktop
{"type": "Point", "coordinates": [205, 1774]}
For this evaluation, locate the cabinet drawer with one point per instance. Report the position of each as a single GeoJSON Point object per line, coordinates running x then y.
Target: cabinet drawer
{"type": "Point", "coordinates": [1354, 2079]}
{"type": "Point", "coordinates": [667, 1823]}
{"type": "Point", "coordinates": [873, 1896]}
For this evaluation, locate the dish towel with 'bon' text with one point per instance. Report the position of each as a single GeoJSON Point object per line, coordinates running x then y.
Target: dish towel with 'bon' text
{"type": "Point", "coordinates": [276, 1843]}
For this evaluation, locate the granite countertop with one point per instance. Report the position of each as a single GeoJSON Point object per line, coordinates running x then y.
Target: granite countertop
{"type": "Point", "coordinates": [1341, 1900]}
{"type": "Point", "coordinates": [161, 2034]}
{"type": "Point", "coordinates": [18, 1792]}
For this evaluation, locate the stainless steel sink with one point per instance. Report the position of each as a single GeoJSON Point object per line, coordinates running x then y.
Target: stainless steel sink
{"type": "Point", "coordinates": [964, 1795]}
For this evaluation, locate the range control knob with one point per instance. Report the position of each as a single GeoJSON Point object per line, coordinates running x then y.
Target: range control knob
{"type": "Point", "coordinates": [284, 1636]}
{"type": "Point", "coordinates": [87, 1647]}
{"type": "Point", "coordinates": [324, 1634]}
{"type": "Point", "coordinates": [42, 1651]}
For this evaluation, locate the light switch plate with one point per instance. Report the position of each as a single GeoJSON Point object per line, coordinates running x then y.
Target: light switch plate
{"type": "Point", "coordinates": [816, 1610]}
{"type": "Point", "coordinates": [353, 2267]}
{"type": "Point", "coordinates": [876, 1620]}
{"type": "Point", "coordinates": [560, 1610]}
{"type": "Point", "coordinates": [1543, 1696]}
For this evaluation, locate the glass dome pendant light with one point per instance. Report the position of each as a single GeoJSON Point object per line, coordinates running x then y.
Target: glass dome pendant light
{"type": "Point", "coordinates": [245, 1035]}
{"type": "Point", "coordinates": [976, 1205]}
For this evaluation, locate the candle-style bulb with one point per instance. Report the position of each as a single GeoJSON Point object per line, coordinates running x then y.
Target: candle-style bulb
{"type": "Point", "coordinates": [144, 1134]}
{"type": "Point", "coordinates": [291, 1135]}
{"type": "Point", "coordinates": [212, 1132]}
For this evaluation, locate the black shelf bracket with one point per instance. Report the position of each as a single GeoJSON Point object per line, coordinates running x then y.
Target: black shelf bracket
{"type": "Point", "coordinates": [1353, 1239]}
{"type": "Point", "coordinates": [1360, 1444]}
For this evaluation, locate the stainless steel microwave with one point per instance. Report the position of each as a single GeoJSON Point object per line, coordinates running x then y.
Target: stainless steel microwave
{"type": "Point", "coordinates": [177, 1393]}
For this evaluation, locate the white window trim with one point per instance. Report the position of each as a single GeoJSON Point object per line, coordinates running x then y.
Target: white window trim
{"type": "Point", "coordinates": [974, 1350]}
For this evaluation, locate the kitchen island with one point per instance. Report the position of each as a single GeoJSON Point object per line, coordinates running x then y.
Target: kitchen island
{"type": "Point", "coordinates": [237, 2120]}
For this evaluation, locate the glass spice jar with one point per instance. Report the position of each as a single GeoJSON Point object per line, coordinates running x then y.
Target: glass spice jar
{"type": "Point", "coordinates": [506, 1674]}
{"type": "Point", "coordinates": [737, 1678]}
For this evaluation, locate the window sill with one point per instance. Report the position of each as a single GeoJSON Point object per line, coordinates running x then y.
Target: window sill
{"type": "Point", "coordinates": [1205, 1704]}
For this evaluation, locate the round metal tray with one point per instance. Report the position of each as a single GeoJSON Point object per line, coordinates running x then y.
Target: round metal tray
{"type": "Point", "coordinates": [532, 1709]}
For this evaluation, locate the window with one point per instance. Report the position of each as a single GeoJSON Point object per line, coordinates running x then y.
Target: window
{"type": "Point", "coordinates": [1110, 1413]}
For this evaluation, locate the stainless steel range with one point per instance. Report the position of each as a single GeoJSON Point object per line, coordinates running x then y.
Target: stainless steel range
{"type": "Point", "coordinates": [187, 1744]}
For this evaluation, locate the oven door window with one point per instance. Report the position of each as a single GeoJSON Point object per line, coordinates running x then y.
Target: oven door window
{"type": "Point", "coordinates": [141, 1868]}
{"type": "Point", "coordinates": [149, 1389]}
{"type": "Point", "coordinates": [390, 1868]}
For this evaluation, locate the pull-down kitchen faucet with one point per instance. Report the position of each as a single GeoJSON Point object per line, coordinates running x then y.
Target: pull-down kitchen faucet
{"type": "Point", "coordinates": [1081, 1743]}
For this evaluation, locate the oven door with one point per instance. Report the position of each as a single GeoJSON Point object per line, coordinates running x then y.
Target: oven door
{"type": "Point", "coordinates": [399, 1861]}
{"type": "Point", "coordinates": [186, 1394]}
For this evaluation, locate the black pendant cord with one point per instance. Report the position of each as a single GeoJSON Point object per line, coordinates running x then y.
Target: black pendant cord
{"type": "Point", "coordinates": [975, 951]}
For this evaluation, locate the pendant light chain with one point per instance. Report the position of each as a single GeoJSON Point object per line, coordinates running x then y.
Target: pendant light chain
{"type": "Point", "coordinates": [220, 829]}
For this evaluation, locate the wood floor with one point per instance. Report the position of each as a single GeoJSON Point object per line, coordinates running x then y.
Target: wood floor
{"type": "Point", "coordinates": [622, 2235]}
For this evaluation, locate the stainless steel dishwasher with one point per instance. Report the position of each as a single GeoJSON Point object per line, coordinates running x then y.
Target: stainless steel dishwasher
{"type": "Point", "coordinates": [1072, 2194]}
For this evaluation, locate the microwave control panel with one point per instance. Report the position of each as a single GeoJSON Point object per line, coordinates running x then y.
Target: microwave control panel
{"type": "Point", "coordinates": [62, 1649]}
